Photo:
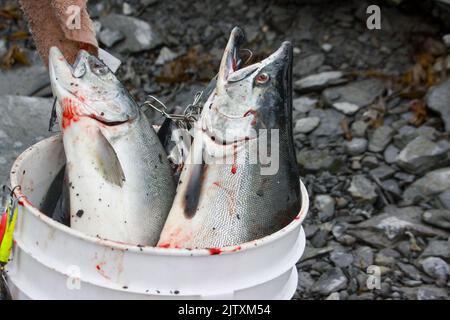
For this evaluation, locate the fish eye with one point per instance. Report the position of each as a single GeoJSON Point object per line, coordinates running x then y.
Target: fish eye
{"type": "Point", "coordinates": [79, 71]}
{"type": "Point", "coordinates": [262, 78]}
{"type": "Point", "coordinates": [97, 67]}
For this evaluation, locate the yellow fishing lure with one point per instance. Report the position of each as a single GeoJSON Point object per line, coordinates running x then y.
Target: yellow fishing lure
{"type": "Point", "coordinates": [6, 243]}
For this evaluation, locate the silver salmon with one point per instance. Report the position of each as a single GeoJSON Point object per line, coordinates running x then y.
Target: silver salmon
{"type": "Point", "coordinates": [232, 199]}
{"type": "Point", "coordinates": [120, 181]}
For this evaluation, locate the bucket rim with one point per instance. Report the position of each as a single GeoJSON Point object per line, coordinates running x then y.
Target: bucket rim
{"type": "Point", "coordinates": [23, 201]}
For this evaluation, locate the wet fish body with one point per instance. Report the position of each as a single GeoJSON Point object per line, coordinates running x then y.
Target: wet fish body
{"type": "Point", "coordinates": [120, 181]}
{"type": "Point", "coordinates": [229, 203]}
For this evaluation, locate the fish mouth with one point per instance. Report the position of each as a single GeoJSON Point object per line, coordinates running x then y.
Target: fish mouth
{"type": "Point", "coordinates": [108, 123]}
{"type": "Point", "coordinates": [230, 60]}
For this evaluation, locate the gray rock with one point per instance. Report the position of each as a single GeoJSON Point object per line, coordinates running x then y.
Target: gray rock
{"type": "Point", "coordinates": [327, 47]}
{"type": "Point", "coordinates": [437, 218]}
{"type": "Point", "coordinates": [330, 122]}
{"type": "Point", "coordinates": [363, 257]}
{"type": "Point", "coordinates": [421, 155]}
{"type": "Point", "coordinates": [380, 138]}
{"type": "Point", "coordinates": [320, 238]}
{"type": "Point", "coordinates": [446, 40]}
{"type": "Point", "coordinates": [410, 271]}
{"type": "Point", "coordinates": [355, 146]}
{"type": "Point", "coordinates": [319, 81]}
{"type": "Point", "coordinates": [438, 99]}
{"type": "Point", "coordinates": [351, 97]}
{"type": "Point", "coordinates": [444, 199]}
{"type": "Point", "coordinates": [3, 49]}
{"type": "Point", "coordinates": [304, 104]}
{"type": "Point", "coordinates": [346, 107]}
{"type": "Point", "coordinates": [25, 80]}
{"type": "Point", "coordinates": [317, 160]}
{"type": "Point", "coordinates": [391, 153]}
{"type": "Point", "coordinates": [306, 125]}
{"type": "Point", "coordinates": [405, 177]}
{"type": "Point", "coordinates": [370, 162]}
{"type": "Point", "coordinates": [372, 237]}
{"type": "Point", "coordinates": [311, 252]}
{"type": "Point", "coordinates": [304, 65]}
{"type": "Point", "coordinates": [431, 293]}
{"type": "Point", "coordinates": [305, 281]}
{"type": "Point", "coordinates": [432, 184]}
{"type": "Point", "coordinates": [165, 55]}
{"type": "Point", "coordinates": [382, 172]}
{"type": "Point", "coordinates": [140, 35]}
{"type": "Point", "coordinates": [325, 205]}
{"type": "Point", "coordinates": [341, 259]}
{"type": "Point", "coordinates": [386, 257]}
{"type": "Point", "coordinates": [362, 189]}
{"type": "Point", "coordinates": [408, 133]}
{"type": "Point", "coordinates": [359, 128]}
{"type": "Point", "coordinates": [149, 2]}
{"type": "Point", "coordinates": [310, 230]}
{"type": "Point", "coordinates": [437, 248]}
{"type": "Point", "coordinates": [127, 9]}
{"type": "Point", "coordinates": [331, 281]}
{"type": "Point", "coordinates": [394, 222]}
{"type": "Point", "coordinates": [110, 37]}
{"type": "Point", "coordinates": [333, 296]}
{"type": "Point", "coordinates": [18, 132]}
{"type": "Point", "coordinates": [436, 268]}
{"type": "Point", "coordinates": [392, 187]}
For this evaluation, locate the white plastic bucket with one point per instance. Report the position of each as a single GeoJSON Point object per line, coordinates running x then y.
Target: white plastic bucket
{"type": "Point", "coordinates": [52, 261]}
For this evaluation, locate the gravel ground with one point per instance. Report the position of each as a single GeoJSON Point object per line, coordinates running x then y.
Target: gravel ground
{"type": "Point", "coordinates": [371, 122]}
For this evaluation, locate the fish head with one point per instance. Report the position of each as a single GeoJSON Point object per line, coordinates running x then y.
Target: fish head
{"type": "Point", "coordinates": [89, 89]}
{"type": "Point", "coordinates": [258, 96]}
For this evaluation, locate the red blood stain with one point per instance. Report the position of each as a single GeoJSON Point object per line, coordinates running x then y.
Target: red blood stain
{"type": "Point", "coordinates": [102, 272]}
{"type": "Point", "coordinates": [234, 166]}
{"type": "Point", "coordinates": [24, 201]}
{"type": "Point", "coordinates": [234, 64]}
{"type": "Point", "coordinates": [236, 249]}
{"type": "Point", "coordinates": [253, 113]}
{"type": "Point", "coordinates": [213, 251]}
{"type": "Point", "coordinates": [164, 245]}
{"type": "Point", "coordinates": [249, 111]}
{"type": "Point", "coordinates": [69, 112]}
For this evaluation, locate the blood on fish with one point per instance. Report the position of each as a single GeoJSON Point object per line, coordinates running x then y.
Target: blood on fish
{"type": "Point", "coordinates": [213, 251]}
{"type": "Point", "coordinates": [249, 111]}
{"type": "Point", "coordinates": [234, 165]}
{"type": "Point", "coordinates": [234, 64]}
{"type": "Point", "coordinates": [69, 112]}
{"type": "Point", "coordinates": [253, 113]}
{"type": "Point", "coordinates": [164, 245]}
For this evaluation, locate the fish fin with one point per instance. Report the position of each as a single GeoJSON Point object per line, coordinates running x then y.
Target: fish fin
{"type": "Point", "coordinates": [109, 164]}
{"type": "Point", "coordinates": [61, 212]}
{"type": "Point", "coordinates": [53, 194]}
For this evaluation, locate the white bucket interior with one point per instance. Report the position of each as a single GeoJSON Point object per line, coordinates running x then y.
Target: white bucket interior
{"type": "Point", "coordinates": [52, 261]}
